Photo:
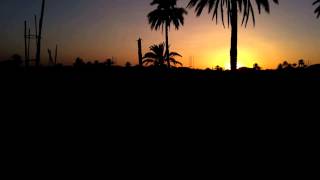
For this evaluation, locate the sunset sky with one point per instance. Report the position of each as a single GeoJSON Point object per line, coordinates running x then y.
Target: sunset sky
{"type": "Point", "coordinates": [100, 29]}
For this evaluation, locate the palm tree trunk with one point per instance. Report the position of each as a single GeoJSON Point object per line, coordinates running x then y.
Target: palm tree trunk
{"type": "Point", "coordinates": [234, 36]}
{"type": "Point", "coordinates": [167, 45]}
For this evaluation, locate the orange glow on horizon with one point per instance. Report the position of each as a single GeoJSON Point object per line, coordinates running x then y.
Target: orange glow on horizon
{"type": "Point", "coordinates": [98, 30]}
{"type": "Point", "coordinates": [222, 58]}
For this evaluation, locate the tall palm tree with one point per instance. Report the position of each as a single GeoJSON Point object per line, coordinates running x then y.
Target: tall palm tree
{"type": "Point", "coordinates": [163, 16]}
{"type": "Point", "coordinates": [157, 57]}
{"type": "Point", "coordinates": [232, 8]}
{"type": "Point", "coordinates": [317, 11]}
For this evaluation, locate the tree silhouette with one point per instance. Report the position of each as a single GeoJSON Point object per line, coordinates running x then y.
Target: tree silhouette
{"type": "Point", "coordinates": [79, 62]}
{"type": "Point", "coordinates": [128, 64]}
{"type": "Point", "coordinates": [301, 64]}
{"type": "Point", "coordinates": [163, 16]}
{"type": "Point", "coordinates": [157, 57]}
{"type": "Point", "coordinates": [218, 68]}
{"type": "Point", "coordinates": [317, 11]}
{"type": "Point", "coordinates": [232, 8]}
{"type": "Point", "coordinates": [16, 60]}
{"type": "Point", "coordinates": [280, 67]}
{"type": "Point", "coordinates": [256, 67]}
{"type": "Point", "coordinates": [286, 65]}
{"type": "Point", "coordinates": [109, 63]}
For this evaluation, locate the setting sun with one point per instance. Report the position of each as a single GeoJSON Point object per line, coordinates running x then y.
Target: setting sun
{"type": "Point", "coordinates": [246, 58]}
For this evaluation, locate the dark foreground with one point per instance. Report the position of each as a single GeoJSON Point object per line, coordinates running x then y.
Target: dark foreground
{"type": "Point", "coordinates": [133, 122]}
{"type": "Point", "coordinates": [166, 89]}
{"type": "Point", "coordinates": [143, 96]}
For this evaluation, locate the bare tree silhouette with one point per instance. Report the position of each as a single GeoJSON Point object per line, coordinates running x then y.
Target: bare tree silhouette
{"type": "Point", "coordinates": [163, 16]}
{"type": "Point", "coordinates": [38, 54]}
{"type": "Point", "coordinates": [157, 57]}
{"type": "Point", "coordinates": [50, 57]}
{"type": "Point", "coordinates": [232, 8]}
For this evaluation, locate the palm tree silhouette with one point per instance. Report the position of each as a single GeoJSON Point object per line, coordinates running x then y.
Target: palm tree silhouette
{"type": "Point", "coordinates": [163, 16]}
{"type": "Point", "coordinates": [317, 11]}
{"type": "Point", "coordinates": [231, 7]}
{"type": "Point", "coordinates": [157, 57]}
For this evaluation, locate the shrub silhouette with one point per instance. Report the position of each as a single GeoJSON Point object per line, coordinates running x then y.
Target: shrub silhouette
{"type": "Point", "coordinates": [109, 63]}
{"type": "Point", "coordinates": [128, 64]}
{"type": "Point", "coordinates": [156, 56]}
{"type": "Point", "coordinates": [79, 63]}
{"type": "Point", "coordinates": [256, 67]}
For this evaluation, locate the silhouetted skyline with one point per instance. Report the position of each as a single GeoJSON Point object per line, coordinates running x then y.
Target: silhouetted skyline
{"type": "Point", "coordinates": [101, 29]}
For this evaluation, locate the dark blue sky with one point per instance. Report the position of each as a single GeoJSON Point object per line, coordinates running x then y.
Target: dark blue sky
{"type": "Point", "coordinates": [98, 29]}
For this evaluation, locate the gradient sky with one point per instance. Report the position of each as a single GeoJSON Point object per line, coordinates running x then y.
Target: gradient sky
{"type": "Point", "coordinates": [100, 29]}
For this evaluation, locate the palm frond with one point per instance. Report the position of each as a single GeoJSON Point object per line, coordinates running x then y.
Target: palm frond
{"type": "Point", "coordinates": [166, 13]}
{"type": "Point", "coordinates": [150, 55]}
{"type": "Point", "coordinates": [175, 62]}
{"type": "Point", "coordinates": [317, 10]}
{"type": "Point", "coordinates": [155, 56]}
{"type": "Point", "coordinates": [148, 61]}
{"type": "Point", "coordinates": [174, 54]}
{"type": "Point", "coordinates": [224, 7]}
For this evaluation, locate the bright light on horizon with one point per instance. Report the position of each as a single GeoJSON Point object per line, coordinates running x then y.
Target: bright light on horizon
{"type": "Point", "coordinates": [246, 58]}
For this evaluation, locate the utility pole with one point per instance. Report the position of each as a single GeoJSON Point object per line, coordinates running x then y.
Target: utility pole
{"type": "Point", "coordinates": [140, 52]}
{"type": "Point", "coordinates": [36, 29]}
{"type": "Point", "coordinates": [36, 24]}
{"type": "Point", "coordinates": [25, 45]}
{"type": "Point", "coordinates": [29, 38]}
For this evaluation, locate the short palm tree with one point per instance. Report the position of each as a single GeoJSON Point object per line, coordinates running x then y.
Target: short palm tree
{"type": "Point", "coordinates": [317, 11]}
{"type": "Point", "coordinates": [231, 8]}
{"type": "Point", "coordinates": [156, 56]}
{"type": "Point", "coordinates": [163, 16]}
